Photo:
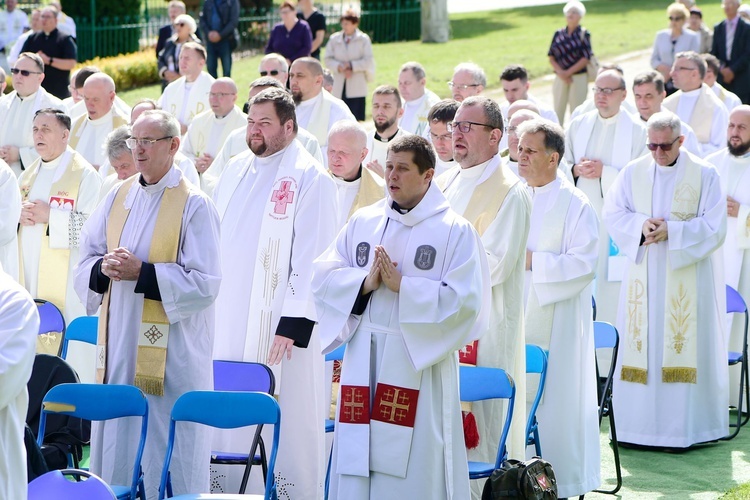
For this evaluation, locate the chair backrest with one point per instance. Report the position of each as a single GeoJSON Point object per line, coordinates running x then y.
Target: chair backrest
{"type": "Point", "coordinates": [337, 354]}
{"type": "Point", "coordinates": [99, 402]}
{"type": "Point", "coordinates": [243, 376]}
{"type": "Point", "coordinates": [536, 362]}
{"type": "Point", "coordinates": [51, 324]}
{"type": "Point", "coordinates": [593, 307]}
{"type": "Point", "coordinates": [735, 302]}
{"type": "Point", "coordinates": [55, 485]}
{"type": "Point", "coordinates": [225, 410]}
{"type": "Point", "coordinates": [82, 329]}
{"type": "Point", "coordinates": [48, 371]}
{"type": "Point", "coordinates": [605, 337]}
{"type": "Point", "coordinates": [477, 383]}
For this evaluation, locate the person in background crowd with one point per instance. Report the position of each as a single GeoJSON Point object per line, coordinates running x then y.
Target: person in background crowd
{"type": "Point", "coordinates": [291, 37]}
{"type": "Point", "coordinates": [468, 79]}
{"type": "Point", "coordinates": [731, 45]}
{"type": "Point", "coordinates": [317, 22]}
{"type": "Point", "coordinates": [697, 25]}
{"type": "Point", "coordinates": [175, 8]}
{"type": "Point", "coordinates": [13, 23]}
{"type": "Point", "coordinates": [417, 99]}
{"type": "Point", "coordinates": [219, 20]}
{"type": "Point", "coordinates": [64, 21]}
{"type": "Point", "coordinates": [671, 41]}
{"type": "Point", "coordinates": [169, 57]}
{"type": "Point", "coordinates": [36, 25]}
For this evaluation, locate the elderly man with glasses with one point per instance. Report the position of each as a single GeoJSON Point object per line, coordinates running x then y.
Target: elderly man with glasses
{"type": "Point", "coordinates": [275, 66]}
{"type": "Point", "coordinates": [482, 189]}
{"type": "Point", "coordinates": [468, 79]}
{"type": "Point", "coordinates": [667, 214]}
{"type": "Point", "coordinates": [598, 144]}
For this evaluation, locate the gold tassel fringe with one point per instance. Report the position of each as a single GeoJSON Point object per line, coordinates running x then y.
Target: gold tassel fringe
{"type": "Point", "coordinates": [632, 374]}
{"type": "Point", "coordinates": [679, 375]}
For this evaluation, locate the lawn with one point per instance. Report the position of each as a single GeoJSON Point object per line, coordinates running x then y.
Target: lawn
{"type": "Point", "coordinates": [497, 38]}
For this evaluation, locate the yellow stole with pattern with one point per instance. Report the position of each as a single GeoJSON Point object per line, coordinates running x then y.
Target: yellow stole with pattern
{"type": "Point", "coordinates": [371, 190]}
{"type": "Point", "coordinates": [703, 113]}
{"type": "Point", "coordinates": [679, 363]}
{"type": "Point", "coordinates": [77, 132]}
{"type": "Point", "coordinates": [153, 334]}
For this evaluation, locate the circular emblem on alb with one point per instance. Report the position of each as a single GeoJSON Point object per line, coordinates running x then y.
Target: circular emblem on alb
{"type": "Point", "coordinates": [425, 257]}
{"type": "Point", "coordinates": [363, 254]}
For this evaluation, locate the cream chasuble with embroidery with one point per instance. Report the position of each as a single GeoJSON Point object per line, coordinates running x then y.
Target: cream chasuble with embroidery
{"type": "Point", "coordinates": [706, 115]}
{"type": "Point", "coordinates": [185, 100]}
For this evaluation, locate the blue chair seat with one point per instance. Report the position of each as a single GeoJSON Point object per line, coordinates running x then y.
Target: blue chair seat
{"type": "Point", "coordinates": [121, 491]}
{"type": "Point", "coordinates": [478, 470]}
{"type": "Point", "coordinates": [226, 457]}
{"type": "Point", "coordinates": [330, 424]}
{"type": "Point", "coordinates": [735, 357]}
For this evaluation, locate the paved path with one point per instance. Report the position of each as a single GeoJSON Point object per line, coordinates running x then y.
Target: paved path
{"type": "Point", "coordinates": [456, 6]}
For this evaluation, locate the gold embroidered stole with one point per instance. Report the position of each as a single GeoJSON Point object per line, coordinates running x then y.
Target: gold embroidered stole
{"type": "Point", "coordinates": [679, 363]}
{"type": "Point", "coordinates": [371, 190]}
{"type": "Point", "coordinates": [54, 263]}
{"type": "Point", "coordinates": [77, 131]}
{"type": "Point", "coordinates": [703, 113]}
{"type": "Point", "coordinates": [319, 118]}
{"type": "Point", "coordinates": [153, 333]}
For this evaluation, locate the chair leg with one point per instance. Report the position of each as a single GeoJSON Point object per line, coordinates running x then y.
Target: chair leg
{"type": "Point", "coordinates": [328, 473]}
{"type": "Point", "coordinates": [746, 382]}
{"type": "Point", "coordinates": [615, 449]}
{"type": "Point", "coordinates": [738, 425]}
{"type": "Point", "coordinates": [537, 443]}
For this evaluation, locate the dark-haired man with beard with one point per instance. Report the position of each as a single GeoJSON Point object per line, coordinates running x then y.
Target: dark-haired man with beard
{"type": "Point", "coordinates": [733, 164]}
{"type": "Point", "coordinates": [386, 112]}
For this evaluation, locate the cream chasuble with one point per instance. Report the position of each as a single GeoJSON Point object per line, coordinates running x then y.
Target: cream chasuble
{"type": "Point", "coordinates": [71, 187]}
{"type": "Point", "coordinates": [563, 241]}
{"type": "Point", "coordinates": [706, 115]}
{"type": "Point", "coordinates": [502, 223]}
{"type": "Point", "coordinates": [185, 100]}
{"type": "Point", "coordinates": [369, 188]}
{"type": "Point", "coordinates": [89, 136]}
{"type": "Point", "coordinates": [729, 99]}
{"type": "Point", "coordinates": [414, 119]}
{"type": "Point", "coordinates": [653, 412]}
{"type": "Point", "coordinates": [10, 212]}
{"type": "Point", "coordinates": [615, 142]}
{"type": "Point", "coordinates": [207, 133]}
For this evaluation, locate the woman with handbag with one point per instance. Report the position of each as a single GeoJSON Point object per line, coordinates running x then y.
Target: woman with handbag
{"type": "Point", "coordinates": [569, 54]}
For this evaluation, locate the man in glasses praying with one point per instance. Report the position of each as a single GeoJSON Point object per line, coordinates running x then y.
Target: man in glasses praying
{"type": "Point", "coordinates": [667, 214]}
{"type": "Point", "coordinates": [598, 144]}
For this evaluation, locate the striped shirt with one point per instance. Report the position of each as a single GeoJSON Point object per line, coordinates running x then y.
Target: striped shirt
{"type": "Point", "coordinates": [568, 49]}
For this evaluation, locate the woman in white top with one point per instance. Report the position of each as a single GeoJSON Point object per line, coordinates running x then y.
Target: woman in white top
{"type": "Point", "coordinates": [673, 40]}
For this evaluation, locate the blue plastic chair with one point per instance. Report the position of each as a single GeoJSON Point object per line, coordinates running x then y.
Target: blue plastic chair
{"type": "Point", "coordinates": [606, 337]}
{"type": "Point", "coordinates": [51, 324]}
{"type": "Point", "coordinates": [244, 376]}
{"type": "Point", "coordinates": [102, 402]}
{"type": "Point", "coordinates": [335, 355]}
{"type": "Point", "coordinates": [736, 305]}
{"type": "Point", "coordinates": [224, 410]}
{"type": "Point", "coordinates": [82, 329]}
{"type": "Point", "coordinates": [478, 383]}
{"type": "Point", "coordinates": [55, 485]}
{"type": "Point", "coordinates": [536, 362]}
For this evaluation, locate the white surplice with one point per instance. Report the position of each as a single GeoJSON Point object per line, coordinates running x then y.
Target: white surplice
{"type": "Point", "coordinates": [434, 314]}
{"type": "Point", "coordinates": [185, 100]}
{"type": "Point", "coordinates": [503, 345]}
{"type": "Point", "coordinates": [734, 174]}
{"type": "Point", "coordinates": [311, 112]}
{"type": "Point", "coordinates": [242, 195]}
{"type": "Point", "coordinates": [19, 325]}
{"type": "Point", "coordinates": [602, 145]}
{"type": "Point", "coordinates": [673, 414]}
{"type": "Point", "coordinates": [60, 233]}
{"type": "Point", "coordinates": [89, 136]}
{"type": "Point", "coordinates": [414, 119]}
{"type": "Point", "coordinates": [568, 413]}
{"type": "Point", "coordinates": [188, 289]}
{"type": "Point", "coordinates": [729, 99]}
{"type": "Point", "coordinates": [10, 212]}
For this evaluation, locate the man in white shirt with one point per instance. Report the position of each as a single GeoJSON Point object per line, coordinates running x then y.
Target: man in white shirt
{"type": "Point", "coordinates": [386, 112]}
{"type": "Point", "coordinates": [440, 115]}
{"type": "Point", "coordinates": [417, 99]}
{"type": "Point", "coordinates": [13, 22]}
{"type": "Point", "coordinates": [468, 79]}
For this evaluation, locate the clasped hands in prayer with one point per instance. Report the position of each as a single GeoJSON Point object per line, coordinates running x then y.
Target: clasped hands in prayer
{"type": "Point", "coordinates": [733, 207]}
{"type": "Point", "coordinates": [655, 231]}
{"type": "Point", "coordinates": [121, 265]}
{"type": "Point", "coordinates": [588, 169]}
{"type": "Point", "coordinates": [34, 212]}
{"type": "Point", "coordinates": [384, 271]}
{"type": "Point", "coordinates": [203, 162]}
{"type": "Point", "coordinates": [10, 154]}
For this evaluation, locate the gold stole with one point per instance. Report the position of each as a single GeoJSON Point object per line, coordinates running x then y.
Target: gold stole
{"type": "Point", "coordinates": [75, 133]}
{"type": "Point", "coordinates": [679, 363]}
{"type": "Point", "coordinates": [371, 190]}
{"type": "Point", "coordinates": [54, 263]}
{"type": "Point", "coordinates": [703, 113]}
{"type": "Point", "coordinates": [153, 333]}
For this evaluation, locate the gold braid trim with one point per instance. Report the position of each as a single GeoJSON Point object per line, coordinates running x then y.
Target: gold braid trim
{"type": "Point", "coordinates": [682, 374]}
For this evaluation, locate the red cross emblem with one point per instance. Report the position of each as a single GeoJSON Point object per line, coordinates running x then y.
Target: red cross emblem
{"type": "Point", "coordinates": [354, 404]}
{"type": "Point", "coordinates": [395, 405]}
{"type": "Point", "coordinates": [282, 197]}
{"type": "Point", "coordinates": [468, 355]}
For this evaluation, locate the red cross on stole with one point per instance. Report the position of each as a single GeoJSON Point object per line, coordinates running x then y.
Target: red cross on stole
{"type": "Point", "coordinates": [354, 404]}
{"type": "Point", "coordinates": [395, 405]}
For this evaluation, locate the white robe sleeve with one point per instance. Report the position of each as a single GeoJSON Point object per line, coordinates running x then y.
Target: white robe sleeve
{"type": "Point", "coordinates": [718, 137]}
{"type": "Point", "coordinates": [186, 146]}
{"type": "Point", "coordinates": [63, 229]}
{"type": "Point", "coordinates": [698, 238]}
{"type": "Point", "coordinates": [624, 224]}
{"type": "Point", "coordinates": [187, 167]}
{"type": "Point", "coordinates": [10, 210]}
{"type": "Point", "coordinates": [504, 239]}
{"type": "Point", "coordinates": [18, 331]}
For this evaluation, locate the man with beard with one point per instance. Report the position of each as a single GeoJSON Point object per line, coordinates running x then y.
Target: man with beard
{"type": "Point", "coordinates": [317, 110]}
{"type": "Point", "coordinates": [386, 112]}
{"type": "Point", "coordinates": [440, 115]}
{"type": "Point", "coordinates": [276, 204]}
{"type": "Point", "coordinates": [733, 164]}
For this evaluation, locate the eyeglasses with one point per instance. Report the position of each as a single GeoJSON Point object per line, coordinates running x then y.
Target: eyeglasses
{"type": "Point", "coordinates": [273, 72]}
{"type": "Point", "coordinates": [676, 18]}
{"type": "Point", "coordinates": [683, 68]}
{"type": "Point", "coordinates": [464, 127]}
{"type": "Point", "coordinates": [178, 25]}
{"type": "Point", "coordinates": [511, 130]}
{"type": "Point", "coordinates": [444, 137]}
{"type": "Point", "coordinates": [220, 94]}
{"type": "Point", "coordinates": [132, 142]}
{"type": "Point", "coordinates": [605, 91]}
{"type": "Point", "coordinates": [24, 72]}
{"type": "Point", "coordinates": [461, 87]}
{"type": "Point", "coordinates": [664, 147]}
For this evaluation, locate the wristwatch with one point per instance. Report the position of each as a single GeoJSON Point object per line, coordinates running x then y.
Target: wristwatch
{"type": "Point", "coordinates": [51, 60]}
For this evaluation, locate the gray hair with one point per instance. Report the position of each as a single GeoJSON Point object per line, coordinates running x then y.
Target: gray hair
{"type": "Point", "coordinates": [349, 127]}
{"type": "Point", "coordinates": [492, 113]}
{"type": "Point", "coordinates": [554, 135]}
{"type": "Point", "coordinates": [115, 145]}
{"type": "Point", "coordinates": [476, 71]}
{"type": "Point", "coordinates": [664, 120]}
{"type": "Point", "coordinates": [693, 57]}
{"type": "Point", "coordinates": [179, 4]}
{"type": "Point", "coordinates": [278, 58]}
{"type": "Point", "coordinates": [184, 18]}
{"type": "Point", "coordinates": [327, 77]}
{"type": "Point", "coordinates": [416, 68]}
{"type": "Point", "coordinates": [575, 6]}
{"type": "Point", "coordinates": [167, 122]}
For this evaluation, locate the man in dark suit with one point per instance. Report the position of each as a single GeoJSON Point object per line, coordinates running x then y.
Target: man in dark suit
{"type": "Point", "coordinates": [176, 7]}
{"type": "Point", "coordinates": [733, 51]}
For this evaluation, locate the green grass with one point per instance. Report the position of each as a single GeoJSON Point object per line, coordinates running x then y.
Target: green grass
{"type": "Point", "coordinates": [497, 38]}
{"type": "Point", "coordinates": [739, 493]}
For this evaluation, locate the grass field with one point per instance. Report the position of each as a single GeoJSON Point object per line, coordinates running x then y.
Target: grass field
{"type": "Point", "coordinates": [497, 38]}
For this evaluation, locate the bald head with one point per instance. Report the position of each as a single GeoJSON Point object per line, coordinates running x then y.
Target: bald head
{"type": "Point", "coordinates": [99, 95]}
{"type": "Point", "coordinates": [222, 96]}
{"type": "Point", "coordinates": [347, 148]}
{"type": "Point", "coordinates": [520, 116]}
{"type": "Point", "coordinates": [522, 104]}
{"type": "Point", "coordinates": [738, 131]}
{"type": "Point", "coordinates": [306, 79]}
{"type": "Point", "coordinates": [312, 65]}
{"type": "Point", "coordinates": [609, 93]}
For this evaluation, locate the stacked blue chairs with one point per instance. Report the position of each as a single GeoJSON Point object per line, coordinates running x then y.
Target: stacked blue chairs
{"type": "Point", "coordinates": [102, 402]}
{"type": "Point", "coordinates": [536, 362]}
{"type": "Point", "coordinates": [82, 329]}
{"type": "Point", "coordinates": [55, 485]}
{"type": "Point", "coordinates": [223, 410]}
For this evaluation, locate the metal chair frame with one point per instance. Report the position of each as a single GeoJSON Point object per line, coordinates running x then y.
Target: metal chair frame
{"type": "Point", "coordinates": [736, 305]}
{"type": "Point", "coordinates": [536, 362]}
{"type": "Point", "coordinates": [82, 329]}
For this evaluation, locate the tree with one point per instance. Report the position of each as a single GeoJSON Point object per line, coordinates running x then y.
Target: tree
{"type": "Point", "coordinates": [435, 24]}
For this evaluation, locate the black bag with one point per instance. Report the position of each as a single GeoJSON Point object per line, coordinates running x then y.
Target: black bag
{"type": "Point", "coordinates": [530, 480]}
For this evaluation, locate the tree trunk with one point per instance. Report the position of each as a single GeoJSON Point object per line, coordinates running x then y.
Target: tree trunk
{"type": "Point", "coordinates": [435, 24]}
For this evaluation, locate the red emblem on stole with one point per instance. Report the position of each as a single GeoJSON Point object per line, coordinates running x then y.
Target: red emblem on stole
{"type": "Point", "coordinates": [282, 197]}
{"type": "Point", "coordinates": [468, 355]}
{"type": "Point", "coordinates": [395, 405]}
{"type": "Point", "coordinates": [61, 203]}
{"type": "Point", "coordinates": [354, 404]}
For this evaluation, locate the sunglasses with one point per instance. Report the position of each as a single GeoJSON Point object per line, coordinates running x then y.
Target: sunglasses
{"type": "Point", "coordinates": [273, 72]}
{"type": "Point", "coordinates": [652, 146]}
{"type": "Point", "coordinates": [24, 72]}
{"type": "Point", "coordinates": [178, 25]}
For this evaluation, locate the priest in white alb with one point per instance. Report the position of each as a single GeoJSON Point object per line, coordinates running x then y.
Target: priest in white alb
{"type": "Point", "coordinates": [418, 100]}
{"type": "Point", "coordinates": [667, 214]}
{"type": "Point", "coordinates": [120, 158]}
{"type": "Point", "coordinates": [440, 115]}
{"type": "Point", "coordinates": [598, 145]}
{"type": "Point", "coordinates": [561, 256]}
{"type": "Point", "coordinates": [482, 189]}
{"type": "Point", "coordinates": [17, 111]}
{"type": "Point", "coordinates": [404, 286]}
{"type": "Point", "coordinates": [187, 97]}
{"type": "Point", "coordinates": [58, 191]}
{"type": "Point", "coordinates": [277, 207]}
{"type": "Point", "coordinates": [386, 111]}
{"type": "Point", "coordinates": [520, 116]}
{"type": "Point", "coordinates": [733, 164]}
{"type": "Point", "coordinates": [89, 131]}
{"type": "Point", "coordinates": [150, 259]}
{"type": "Point", "coordinates": [10, 213]}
